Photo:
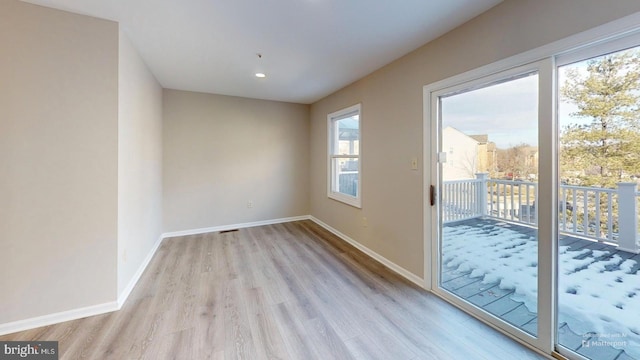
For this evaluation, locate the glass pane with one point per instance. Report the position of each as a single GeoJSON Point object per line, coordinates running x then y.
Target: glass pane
{"type": "Point", "coordinates": [346, 176]}
{"type": "Point", "coordinates": [489, 240]}
{"type": "Point", "coordinates": [598, 281]}
{"type": "Point", "coordinates": [348, 135]}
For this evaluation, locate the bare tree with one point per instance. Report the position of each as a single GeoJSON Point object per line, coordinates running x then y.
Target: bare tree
{"type": "Point", "coordinates": [518, 161]}
{"type": "Point", "coordinates": [469, 163]}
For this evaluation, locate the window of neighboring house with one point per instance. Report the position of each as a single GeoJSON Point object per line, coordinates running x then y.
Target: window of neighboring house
{"type": "Point", "coordinates": [344, 156]}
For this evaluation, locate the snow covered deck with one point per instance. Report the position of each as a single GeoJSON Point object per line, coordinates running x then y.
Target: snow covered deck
{"type": "Point", "coordinates": [493, 265]}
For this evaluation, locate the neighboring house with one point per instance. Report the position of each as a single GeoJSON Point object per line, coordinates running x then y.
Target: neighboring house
{"type": "Point", "coordinates": [487, 154]}
{"type": "Point", "coordinates": [467, 155]}
{"type": "Point", "coordinates": [462, 155]}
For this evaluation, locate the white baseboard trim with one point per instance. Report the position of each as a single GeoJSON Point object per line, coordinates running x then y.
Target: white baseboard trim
{"type": "Point", "coordinates": [379, 258]}
{"type": "Point", "coordinates": [75, 314]}
{"type": "Point", "coordinates": [45, 320]}
{"type": "Point", "coordinates": [122, 297]}
{"type": "Point", "coordinates": [234, 226]}
{"type": "Point", "coordinates": [49, 319]}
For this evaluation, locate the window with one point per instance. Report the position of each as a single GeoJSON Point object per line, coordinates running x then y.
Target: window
{"type": "Point", "coordinates": [344, 155]}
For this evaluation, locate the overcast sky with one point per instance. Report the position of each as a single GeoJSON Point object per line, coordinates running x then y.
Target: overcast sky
{"type": "Point", "coordinates": [507, 112]}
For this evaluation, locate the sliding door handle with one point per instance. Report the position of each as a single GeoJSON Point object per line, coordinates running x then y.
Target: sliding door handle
{"type": "Point", "coordinates": [432, 195]}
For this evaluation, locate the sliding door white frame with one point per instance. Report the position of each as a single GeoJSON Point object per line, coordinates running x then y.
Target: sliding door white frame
{"type": "Point", "coordinates": [631, 40]}
{"type": "Point", "coordinates": [544, 58]}
{"type": "Point", "coordinates": [546, 129]}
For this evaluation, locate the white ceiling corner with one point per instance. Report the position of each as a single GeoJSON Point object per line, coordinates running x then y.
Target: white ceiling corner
{"type": "Point", "coordinates": [310, 48]}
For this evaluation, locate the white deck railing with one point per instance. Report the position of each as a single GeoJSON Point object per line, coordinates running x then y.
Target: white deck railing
{"type": "Point", "coordinates": [461, 199]}
{"type": "Point", "coordinates": [606, 215]}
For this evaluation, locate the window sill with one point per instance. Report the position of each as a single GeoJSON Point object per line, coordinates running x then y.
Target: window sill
{"type": "Point", "coordinates": [349, 200]}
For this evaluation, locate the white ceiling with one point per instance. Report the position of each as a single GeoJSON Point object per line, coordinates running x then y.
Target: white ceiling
{"type": "Point", "coordinates": [310, 48]}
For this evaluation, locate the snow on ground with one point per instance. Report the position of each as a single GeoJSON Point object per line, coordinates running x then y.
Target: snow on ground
{"type": "Point", "coordinates": [596, 294]}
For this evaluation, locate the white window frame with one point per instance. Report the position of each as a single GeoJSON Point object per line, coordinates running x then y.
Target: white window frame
{"type": "Point", "coordinates": [332, 153]}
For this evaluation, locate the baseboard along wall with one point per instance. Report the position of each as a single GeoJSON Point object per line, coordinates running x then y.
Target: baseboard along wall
{"type": "Point", "coordinates": [74, 314]}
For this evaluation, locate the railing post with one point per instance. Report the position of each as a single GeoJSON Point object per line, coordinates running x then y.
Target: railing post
{"type": "Point", "coordinates": [482, 193]}
{"type": "Point", "coordinates": [627, 218]}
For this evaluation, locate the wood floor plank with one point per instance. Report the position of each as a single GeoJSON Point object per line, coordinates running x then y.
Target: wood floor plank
{"type": "Point", "coordinates": [284, 291]}
{"type": "Point", "coordinates": [88, 335]}
{"type": "Point", "coordinates": [485, 334]}
{"type": "Point", "coordinates": [208, 318]}
{"type": "Point", "coordinates": [269, 342]}
{"type": "Point", "coordinates": [328, 344]}
{"type": "Point", "coordinates": [297, 341]}
{"type": "Point", "coordinates": [239, 343]}
{"type": "Point", "coordinates": [174, 346]}
{"type": "Point", "coordinates": [120, 334]}
{"type": "Point", "coordinates": [150, 335]}
{"type": "Point", "coordinates": [365, 348]}
{"type": "Point", "coordinates": [434, 333]}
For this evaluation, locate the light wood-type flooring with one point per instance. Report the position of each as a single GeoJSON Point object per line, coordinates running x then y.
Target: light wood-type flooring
{"type": "Point", "coordinates": [285, 291]}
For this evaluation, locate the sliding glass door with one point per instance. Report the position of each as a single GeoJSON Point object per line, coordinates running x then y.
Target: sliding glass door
{"type": "Point", "coordinates": [489, 240]}
{"type": "Point", "coordinates": [487, 156]}
{"type": "Point", "coordinates": [599, 155]}
{"type": "Point", "coordinates": [535, 203]}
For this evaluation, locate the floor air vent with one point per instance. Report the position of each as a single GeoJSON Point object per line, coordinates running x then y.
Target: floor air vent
{"type": "Point", "coordinates": [228, 231]}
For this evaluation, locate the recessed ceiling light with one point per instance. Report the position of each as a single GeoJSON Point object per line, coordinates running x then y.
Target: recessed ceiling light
{"type": "Point", "coordinates": [261, 75]}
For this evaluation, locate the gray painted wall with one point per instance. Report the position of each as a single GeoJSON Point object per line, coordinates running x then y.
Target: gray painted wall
{"type": "Point", "coordinates": [392, 131]}
{"type": "Point", "coordinates": [58, 160]}
{"type": "Point", "coordinates": [220, 152]}
{"type": "Point", "coordinates": [139, 162]}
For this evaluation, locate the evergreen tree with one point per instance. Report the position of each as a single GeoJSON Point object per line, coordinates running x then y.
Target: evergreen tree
{"type": "Point", "coordinates": [606, 150]}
